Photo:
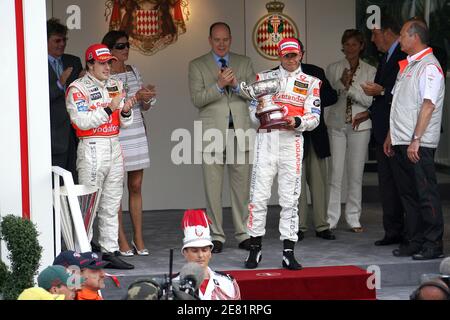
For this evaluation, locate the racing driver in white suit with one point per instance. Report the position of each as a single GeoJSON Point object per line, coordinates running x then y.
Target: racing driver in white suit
{"type": "Point", "coordinates": [280, 150]}
{"type": "Point", "coordinates": [97, 110]}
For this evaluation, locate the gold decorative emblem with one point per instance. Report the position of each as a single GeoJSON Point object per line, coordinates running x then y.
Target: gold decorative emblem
{"type": "Point", "coordinates": [151, 25]}
{"type": "Point", "coordinates": [271, 29]}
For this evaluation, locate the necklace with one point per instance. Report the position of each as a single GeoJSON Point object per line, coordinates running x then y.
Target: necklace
{"type": "Point", "coordinates": [126, 87]}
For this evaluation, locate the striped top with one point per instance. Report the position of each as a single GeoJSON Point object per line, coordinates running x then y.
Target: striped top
{"type": "Point", "coordinates": [133, 139]}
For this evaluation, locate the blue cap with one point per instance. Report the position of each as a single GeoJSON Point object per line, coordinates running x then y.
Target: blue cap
{"type": "Point", "coordinates": [83, 260]}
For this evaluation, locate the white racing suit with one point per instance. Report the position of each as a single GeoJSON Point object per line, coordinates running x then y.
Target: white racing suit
{"type": "Point", "coordinates": [220, 286]}
{"type": "Point", "coordinates": [281, 151]}
{"type": "Point", "coordinates": [99, 156]}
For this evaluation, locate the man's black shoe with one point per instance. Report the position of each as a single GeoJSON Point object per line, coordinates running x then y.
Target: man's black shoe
{"type": "Point", "coordinates": [326, 234]}
{"type": "Point", "coordinates": [289, 261]}
{"type": "Point", "coordinates": [115, 262]}
{"type": "Point", "coordinates": [388, 241]}
{"type": "Point", "coordinates": [300, 235]}
{"type": "Point", "coordinates": [254, 257]}
{"type": "Point", "coordinates": [406, 250]}
{"type": "Point", "coordinates": [245, 245]}
{"type": "Point", "coordinates": [429, 253]}
{"type": "Point", "coordinates": [218, 246]}
{"type": "Point", "coordinates": [95, 247]}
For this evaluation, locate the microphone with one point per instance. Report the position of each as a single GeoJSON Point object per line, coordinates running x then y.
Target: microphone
{"type": "Point", "coordinates": [444, 267]}
{"type": "Point", "coordinates": [444, 273]}
{"type": "Point", "coordinates": [191, 277]}
{"type": "Point", "coordinates": [144, 289]}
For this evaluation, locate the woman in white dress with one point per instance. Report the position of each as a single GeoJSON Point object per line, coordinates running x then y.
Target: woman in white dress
{"type": "Point", "coordinates": [133, 139]}
{"type": "Point", "coordinates": [348, 145]}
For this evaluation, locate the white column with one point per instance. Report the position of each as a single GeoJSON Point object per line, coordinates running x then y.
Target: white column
{"type": "Point", "coordinates": [10, 171]}
{"type": "Point", "coordinates": [38, 119]}
{"type": "Point", "coordinates": [39, 145]}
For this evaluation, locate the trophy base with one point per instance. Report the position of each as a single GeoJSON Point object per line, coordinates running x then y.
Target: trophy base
{"type": "Point", "coordinates": [280, 124]}
{"type": "Point", "coordinates": [273, 119]}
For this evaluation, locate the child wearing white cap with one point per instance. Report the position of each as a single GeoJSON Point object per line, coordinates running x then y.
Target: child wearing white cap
{"type": "Point", "coordinates": [197, 247]}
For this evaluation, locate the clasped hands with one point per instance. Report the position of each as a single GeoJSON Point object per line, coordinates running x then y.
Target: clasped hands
{"type": "Point", "coordinates": [115, 103]}
{"type": "Point", "coordinates": [226, 77]}
{"type": "Point", "coordinates": [145, 94]}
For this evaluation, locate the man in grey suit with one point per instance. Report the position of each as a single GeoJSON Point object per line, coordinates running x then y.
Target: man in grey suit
{"type": "Point", "coordinates": [214, 86]}
{"type": "Point", "coordinates": [63, 69]}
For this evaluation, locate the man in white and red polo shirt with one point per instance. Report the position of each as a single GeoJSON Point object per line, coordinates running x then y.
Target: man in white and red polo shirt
{"type": "Point", "coordinates": [415, 129]}
{"type": "Point", "coordinates": [97, 110]}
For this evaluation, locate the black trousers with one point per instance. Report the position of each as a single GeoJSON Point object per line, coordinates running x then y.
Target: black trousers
{"type": "Point", "coordinates": [393, 212]}
{"type": "Point", "coordinates": [420, 197]}
{"type": "Point", "coordinates": [68, 160]}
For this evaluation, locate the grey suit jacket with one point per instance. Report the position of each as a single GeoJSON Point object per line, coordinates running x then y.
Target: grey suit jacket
{"type": "Point", "coordinates": [214, 108]}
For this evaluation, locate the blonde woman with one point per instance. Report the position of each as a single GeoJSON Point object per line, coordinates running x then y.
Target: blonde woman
{"type": "Point", "coordinates": [348, 146]}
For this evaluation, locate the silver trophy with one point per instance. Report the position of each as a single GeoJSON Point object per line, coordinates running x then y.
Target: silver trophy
{"type": "Point", "coordinates": [271, 115]}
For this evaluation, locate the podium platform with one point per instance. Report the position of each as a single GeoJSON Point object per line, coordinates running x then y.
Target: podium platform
{"type": "Point", "coordinates": [321, 283]}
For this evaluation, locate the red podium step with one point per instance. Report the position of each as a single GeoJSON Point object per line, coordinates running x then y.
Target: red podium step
{"type": "Point", "coordinates": [322, 283]}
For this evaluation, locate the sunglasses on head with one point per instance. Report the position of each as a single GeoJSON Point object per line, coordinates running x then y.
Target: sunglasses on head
{"type": "Point", "coordinates": [121, 46]}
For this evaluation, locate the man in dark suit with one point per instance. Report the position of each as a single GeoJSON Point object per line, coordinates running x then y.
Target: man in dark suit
{"type": "Point", "coordinates": [63, 69]}
{"type": "Point", "coordinates": [386, 38]}
{"type": "Point", "coordinates": [315, 172]}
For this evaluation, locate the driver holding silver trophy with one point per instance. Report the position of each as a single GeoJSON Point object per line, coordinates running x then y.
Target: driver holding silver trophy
{"type": "Point", "coordinates": [293, 107]}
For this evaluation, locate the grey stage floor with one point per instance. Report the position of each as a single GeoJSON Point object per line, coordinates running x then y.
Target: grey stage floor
{"type": "Point", "coordinates": [162, 232]}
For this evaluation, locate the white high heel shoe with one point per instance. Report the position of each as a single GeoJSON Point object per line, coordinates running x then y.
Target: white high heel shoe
{"type": "Point", "coordinates": [143, 252]}
{"type": "Point", "coordinates": [128, 253]}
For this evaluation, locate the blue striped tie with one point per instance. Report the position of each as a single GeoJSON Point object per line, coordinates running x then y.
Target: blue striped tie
{"type": "Point", "coordinates": [58, 67]}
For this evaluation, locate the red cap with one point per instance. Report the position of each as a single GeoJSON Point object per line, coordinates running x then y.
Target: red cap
{"type": "Point", "coordinates": [99, 52]}
{"type": "Point", "coordinates": [288, 45]}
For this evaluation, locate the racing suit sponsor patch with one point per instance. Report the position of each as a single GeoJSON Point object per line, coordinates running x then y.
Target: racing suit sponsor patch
{"type": "Point", "coordinates": [316, 111]}
{"type": "Point", "coordinates": [303, 92]}
{"type": "Point", "coordinates": [82, 106]}
{"type": "Point", "coordinates": [112, 89]}
{"type": "Point", "coordinates": [317, 103]}
{"type": "Point", "coordinates": [316, 92]}
{"type": "Point", "coordinates": [96, 96]}
{"type": "Point", "coordinates": [301, 85]}
{"type": "Point", "coordinates": [77, 96]}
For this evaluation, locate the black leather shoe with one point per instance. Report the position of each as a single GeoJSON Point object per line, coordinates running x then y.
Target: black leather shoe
{"type": "Point", "coordinates": [387, 241]}
{"type": "Point", "coordinates": [218, 246]}
{"type": "Point", "coordinates": [406, 250]}
{"type": "Point", "coordinates": [115, 262]}
{"type": "Point", "coordinates": [95, 247]}
{"type": "Point", "coordinates": [245, 245]}
{"type": "Point", "coordinates": [429, 253]}
{"type": "Point", "coordinates": [254, 257]}
{"type": "Point", "coordinates": [289, 261]}
{"type": "Point", "coordinates": [300, 235]}
{"type": "Point", "coordinates": [326, 234]}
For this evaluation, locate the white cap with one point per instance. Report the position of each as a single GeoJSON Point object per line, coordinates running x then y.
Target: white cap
{"type": "Point", "coordinates": [196, 229]}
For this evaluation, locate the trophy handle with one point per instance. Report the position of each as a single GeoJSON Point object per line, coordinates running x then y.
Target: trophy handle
{"type": "Point", "coordinates": [246, 90]}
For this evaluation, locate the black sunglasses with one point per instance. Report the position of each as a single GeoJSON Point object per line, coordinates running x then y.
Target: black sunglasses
{"type": "Point", "coordinates": [122, 45]}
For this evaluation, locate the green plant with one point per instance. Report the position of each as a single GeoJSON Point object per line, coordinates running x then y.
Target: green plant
{"type": "Point", "coordinates": [21, 239]}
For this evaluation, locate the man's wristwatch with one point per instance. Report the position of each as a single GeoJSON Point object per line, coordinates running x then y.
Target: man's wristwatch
{"type": "Point", "coordinates": [416, 138]}
{"type": "Point", "coordinates": [382, 92]}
